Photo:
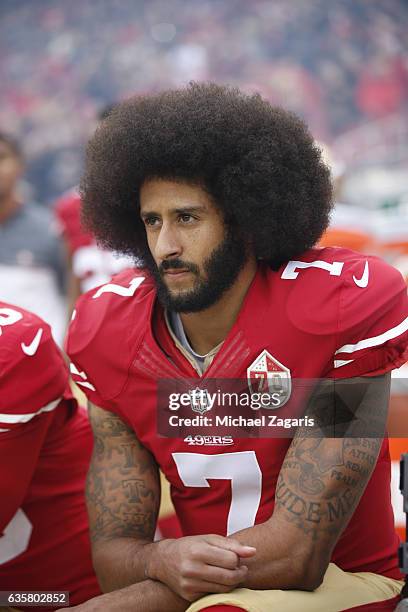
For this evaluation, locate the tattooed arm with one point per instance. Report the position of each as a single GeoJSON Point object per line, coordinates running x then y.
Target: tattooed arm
{"type": "Point", "coordinates": [320, 484]}
{"type": "Point", "coordinates": [123, 497]}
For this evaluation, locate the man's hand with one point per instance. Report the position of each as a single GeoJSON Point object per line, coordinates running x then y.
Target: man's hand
{"type": "Point", "coordinates": [145, 596]}
{"type": "Point", "coordinates": [196, 565]}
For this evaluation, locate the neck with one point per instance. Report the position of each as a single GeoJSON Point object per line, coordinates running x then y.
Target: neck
{"type": "Point", "coordinates": [8, 205]}
{"type": "Point", "coordinates": [207, 328]}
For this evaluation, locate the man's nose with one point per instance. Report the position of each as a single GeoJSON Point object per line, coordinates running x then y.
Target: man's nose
{"type": "Point", "coordinates": [167, 245]}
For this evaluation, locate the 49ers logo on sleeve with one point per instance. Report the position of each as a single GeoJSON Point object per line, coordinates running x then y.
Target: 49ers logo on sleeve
{"type": "Point", "coordinates": [267, 375]}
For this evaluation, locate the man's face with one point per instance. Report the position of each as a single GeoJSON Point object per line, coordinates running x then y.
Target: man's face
{"type": "Point", "coordinates": [10, 170]}
{"type": "Point", "coordinates": [194, 259]}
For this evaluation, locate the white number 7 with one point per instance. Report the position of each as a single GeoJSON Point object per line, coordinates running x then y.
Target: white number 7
{"type": "Point", "coordinates": [241, 468]}
{"type": "Point", "coordinates": [119, 289]}
{"type": "Point", "coordinates": [292, 267]}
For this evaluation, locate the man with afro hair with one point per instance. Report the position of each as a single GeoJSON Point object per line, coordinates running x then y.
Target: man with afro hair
{"type": "Point", "coordinates": [223, 197]}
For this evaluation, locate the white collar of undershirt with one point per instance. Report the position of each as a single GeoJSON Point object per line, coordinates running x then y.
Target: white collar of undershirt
{"type": "Point", "coordinates": [178, 329]}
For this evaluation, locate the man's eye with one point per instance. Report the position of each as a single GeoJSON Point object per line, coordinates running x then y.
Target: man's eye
{"type": "Point", "coordinates": [186, 218]}
{"type": "Point", "coordinates": [151, 221]}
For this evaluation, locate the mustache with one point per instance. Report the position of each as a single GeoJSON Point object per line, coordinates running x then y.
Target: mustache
{"type": "Point", "coordinates": [177, 264]}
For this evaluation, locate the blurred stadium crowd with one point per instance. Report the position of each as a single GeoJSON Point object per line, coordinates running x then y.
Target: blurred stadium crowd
{"type": "Point", "coordinates": [337, 64]}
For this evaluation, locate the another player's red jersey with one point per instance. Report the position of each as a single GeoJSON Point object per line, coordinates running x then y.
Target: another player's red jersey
{"type": "Point", "coordinates": [68, 211]}
{"type": "Point", "coordinates": [45, 449]}
{"type": "Point", "coordinates": [90, 264]}
{"type": "Point", "coordinates": [332, 313]}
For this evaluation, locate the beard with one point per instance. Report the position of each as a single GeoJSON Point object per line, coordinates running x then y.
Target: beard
{"type": "Point", "coordinates": [221, 270]}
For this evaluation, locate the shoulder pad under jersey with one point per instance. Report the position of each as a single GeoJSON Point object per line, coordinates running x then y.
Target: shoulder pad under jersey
{"type": "Point", "coordinates": [358, 299]}
{"type": "Point", "coordinates": [107, 327]}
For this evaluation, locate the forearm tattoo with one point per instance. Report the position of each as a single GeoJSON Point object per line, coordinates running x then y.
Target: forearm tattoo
{"type": "Point", "coordinates": [123, 487]}
{"type": "Point", "coordinates": [322, 479]}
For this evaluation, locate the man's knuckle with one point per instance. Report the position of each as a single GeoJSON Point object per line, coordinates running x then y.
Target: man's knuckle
{"type": "Point", "coordinates": [231, 557]}
{"type": "Point", "coordinates": [187, 592]}
{"type": "Point", "coordinates": [184, 570]}
{"type": "Point", "coordinates": [185, 584]}
{"type": "Point", "coordinates": [231, 580]}
{"type": "Point", "coordinates": [190, 572]}
{"type": "Point", "coordinates": [195, 551]}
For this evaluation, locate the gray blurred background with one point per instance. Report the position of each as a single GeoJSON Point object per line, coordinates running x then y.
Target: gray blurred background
{"type": "Point", "coordinates": [341, 64]}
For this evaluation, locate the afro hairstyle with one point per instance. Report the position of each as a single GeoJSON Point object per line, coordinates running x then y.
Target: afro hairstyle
{"type": "Point", "coordinates": [259, 164]}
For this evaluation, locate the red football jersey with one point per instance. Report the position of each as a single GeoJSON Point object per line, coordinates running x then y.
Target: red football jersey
{"type": "Point", "coordinates": [68, 212]}
{"type": "Point", "coordinates": [90, 264]}
{"type": "Point", "coordinates": [332, 313]}
{"type": "Point", "coordinates": [45, 449]}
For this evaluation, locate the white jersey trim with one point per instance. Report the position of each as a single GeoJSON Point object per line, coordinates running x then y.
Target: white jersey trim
{"type": "Point", "coordinates": [394, 332]}
{"type": "Point", "coordinates": [74, 370]}
{"type": "Point", "coordinates": [24, 418]}
{"type": "Point", "coordinates": [341, 362]}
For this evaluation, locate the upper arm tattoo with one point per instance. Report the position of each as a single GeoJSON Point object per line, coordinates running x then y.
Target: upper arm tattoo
{"type": "Point", "coordinates": [323, 478]}
{"type": "Point", "coordinates": [123, 486]}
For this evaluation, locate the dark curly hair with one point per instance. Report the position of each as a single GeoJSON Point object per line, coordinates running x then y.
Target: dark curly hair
{"type": "Point", "coordinates": [259, 164]}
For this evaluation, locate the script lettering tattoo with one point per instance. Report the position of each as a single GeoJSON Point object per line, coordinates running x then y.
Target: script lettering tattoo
{"type": "Point", "coordinates": [322, 479]}
{"type": "Point", "coordinates": [123, 488]}
{"type": "Point", "coordinates": [320, 494]}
